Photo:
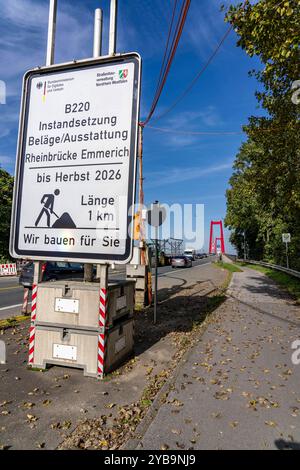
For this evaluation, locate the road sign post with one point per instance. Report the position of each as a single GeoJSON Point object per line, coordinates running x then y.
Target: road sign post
{"type": "Point", "coordinates": [156, 217]}
{"type": "Point", "coordinates": [286, 238]}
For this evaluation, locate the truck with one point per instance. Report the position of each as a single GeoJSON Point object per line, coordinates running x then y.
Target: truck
{"type": "Point", "coordinates": [190, 253]}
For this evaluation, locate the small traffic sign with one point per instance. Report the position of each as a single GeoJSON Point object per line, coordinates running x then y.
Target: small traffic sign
{"type": "Point", "coordinates": [156, 215]}
{"type": "Point", "coordinates": [76, 165]}
{"type": "Point", "coordinates": [286, 238]}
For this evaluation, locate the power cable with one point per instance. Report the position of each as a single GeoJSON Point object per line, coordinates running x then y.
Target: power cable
{"type": "Point", "coordinates": [175, 41]}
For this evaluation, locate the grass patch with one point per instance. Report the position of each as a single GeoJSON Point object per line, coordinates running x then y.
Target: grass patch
{"type": "Point", "coordinates": [10, 322]}
{"type": "Point", "coordinates": [289, 283]}
{"type": "Point", "coordinates": [233, 268]}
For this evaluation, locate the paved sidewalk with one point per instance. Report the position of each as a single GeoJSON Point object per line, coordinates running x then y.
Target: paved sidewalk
{"type": "Point", "coordinates": [238, 388]}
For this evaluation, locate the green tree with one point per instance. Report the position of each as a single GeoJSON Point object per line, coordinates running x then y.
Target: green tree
{"type": "Point", "coordinates": [268, 164]}
{"type": "Point", "coordinates": [6, 193]}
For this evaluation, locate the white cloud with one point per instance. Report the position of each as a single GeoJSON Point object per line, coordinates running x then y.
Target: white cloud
{"type": "Point", "coordinates": [190, 121]}
{"type": "Point", "coordinates": [6, 161]}
{"type": "Point", "coordinates": [193, 120]}
{"type": "Point", "coordinates": [178, 174]}
{"type": "Point", "coordinates": [205, 26]}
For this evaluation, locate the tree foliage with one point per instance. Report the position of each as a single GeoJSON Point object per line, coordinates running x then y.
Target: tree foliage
{"type": "Point", "coordinates": [264, 195]}
{"type": "Point", "coordinates": [6, 193]}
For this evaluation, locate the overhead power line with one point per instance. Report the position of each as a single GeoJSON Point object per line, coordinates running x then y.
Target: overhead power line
{"type": "Point", "coordinates": [169, 56]}
{"type": "Point", "coordinates": [201, 71]}
{"type": "Point", "coordinates": [199, 74]}
{"type": "Point", "coordinates": [166, 47]}
{"type": "Point", "coordinates": [183, 132]}
{"type": "Point", "coordinates": [213, 133]}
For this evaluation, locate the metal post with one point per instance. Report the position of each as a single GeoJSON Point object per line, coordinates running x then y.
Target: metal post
{"type": "Point", "coordinates": [156, 275]}
{"type": "Point", "coordinates": [89, 268]}
{"type": "Point", "coordinates": [98, 26]}
{"type": "Point", "coordinates": [287, 255]}
{"type": "Point", "coordinates": [51, 32]}
{"type": "Point", "coordinates": [113, 27]}
{"type": "Point", "coordinates": [244, 245]}
{"type": "Point", "coordinates": [49, 61]}
{"type": "Point", "coordinates": [141, 197]}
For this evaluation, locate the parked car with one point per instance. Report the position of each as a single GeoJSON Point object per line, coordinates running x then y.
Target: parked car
{"type": "Point", "coordinates": [52, 271]}
{"type": "Point", "coordinates": [181, 262]}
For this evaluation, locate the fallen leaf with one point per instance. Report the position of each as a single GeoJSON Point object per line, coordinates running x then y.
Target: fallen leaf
{"type": "Point", "coordinates": [103, 443]}
{"type": "Point", "coordinates": [164, 447]}
{"type": "Point", "coordinates": [176, 431]}
{"type": "Point", "coordinates": [32, 418]}
{"type": "Point", "coordinates": [66, 424]}
{"type": "Point", "coordinates": [55, 426]}
{"type": "Point", "coordinates": [46, 402]}
{"type": "Point", "coordinates": [271, 423]}
{"type": "Point", "coordinates": [41, 445]}
{"type": "Point", "coordinates": [28, 405]}
{"type": "Point", "coordinates": [234, 424]}
{"type": "Point", "coordinates": [216, 415]}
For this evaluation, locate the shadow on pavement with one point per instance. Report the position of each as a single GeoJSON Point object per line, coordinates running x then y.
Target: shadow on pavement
{"type": "Point", "coordinates": [281, 444]}
{"type": "Point", "coordinates": [265, 312]}
{"type": "Point", "coordinates": [179, 311]}
{"type": "Point", "coordinates": [267, 287]}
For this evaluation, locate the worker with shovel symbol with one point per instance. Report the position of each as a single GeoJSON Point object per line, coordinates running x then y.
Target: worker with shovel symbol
{"type": "Point", "coordinates": [48, 202]}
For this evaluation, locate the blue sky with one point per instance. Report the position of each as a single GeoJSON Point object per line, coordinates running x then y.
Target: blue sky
{"type": "Point", "coordinates": [179, 168]}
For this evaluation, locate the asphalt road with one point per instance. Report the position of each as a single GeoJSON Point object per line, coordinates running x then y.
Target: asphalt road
{"type": "Point", "coordinates": [11, 294]}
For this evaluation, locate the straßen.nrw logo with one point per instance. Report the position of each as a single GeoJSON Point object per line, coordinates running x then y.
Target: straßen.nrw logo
{"type": "Point", "coordinates": [123, 73]}
{"type": "Point", "coordinates": [39, 85]}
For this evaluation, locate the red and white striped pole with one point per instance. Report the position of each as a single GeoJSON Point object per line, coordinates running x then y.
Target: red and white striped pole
{"type": "Point", "coordinates": [32, 325]}
{"type": "Point", "coordinates": [102, 320]}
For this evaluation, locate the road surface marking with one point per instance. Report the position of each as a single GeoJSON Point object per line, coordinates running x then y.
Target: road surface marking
{"type": "Point", "coordinates": [9, 288]}
{"type": "Point", "coordinates": [12, 306]}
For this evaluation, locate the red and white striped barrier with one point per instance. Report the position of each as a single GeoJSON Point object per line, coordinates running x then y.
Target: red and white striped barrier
{"type": "Point", "coordinates": [8, 269]}
{"type": "Point", "coordinates": [33, 302]}
{"type": "Point", "coordinates": [32, 326]}
{"type": "Point", "coordinates": [101, 337]}
{"type": "Point", "coordinates": [31, 344]}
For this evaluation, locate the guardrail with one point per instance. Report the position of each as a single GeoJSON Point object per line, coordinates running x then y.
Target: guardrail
{"type": "Point", "coordinates": [291, 272]}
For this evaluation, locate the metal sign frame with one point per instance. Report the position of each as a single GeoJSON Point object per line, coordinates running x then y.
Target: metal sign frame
{"type": "Point", "coordinates": [19, 170]}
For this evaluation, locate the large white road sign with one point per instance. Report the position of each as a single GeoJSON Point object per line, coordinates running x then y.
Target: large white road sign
{"type": "Point", "coordinates": [76, 162]}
